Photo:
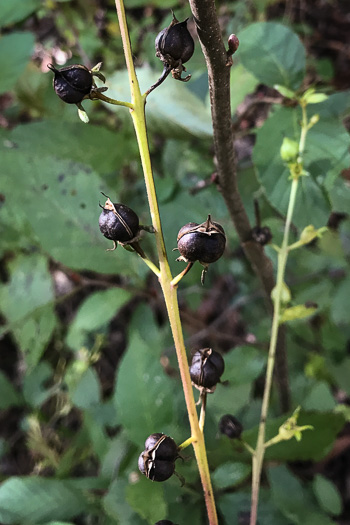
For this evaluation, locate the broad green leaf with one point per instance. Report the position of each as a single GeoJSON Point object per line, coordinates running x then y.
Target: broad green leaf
{"type": "Point", "coordinates": [273, 54]}
{"type": "Point", "coordinates": [229, 399]}
{"type": "Point", "coordinates": [315, 444]}
{"type": "Point", "coordinates": [327, 495]}
{"type": "Point", "coordinates": [297, 312]}
{"type": "Point", "coordinates": [35, 389]}
{"type": "Point", "coordinates": [17, 10]}
{"type": "Point", "coordinates": [172, 109]}
{"type": "Point", "coordinates": [147, 499]}
{"type": "Point", "coordinates": [143, 391]}
{"type": "Point", "coordinates": [26, 302]}
{"type": "Point", "coordinates": [243, 364]}
{"type": "Point", "coordinates": [235, 509]}
{"type": "Point", "coordinates": [340, 303]}
{"type": "Point", "coordinates": [242, 83]}
{"type": "Point", "coordinates": [300, 508]}
{"type": "Point", "coordinates": [96, 312]}
{"type": "Point", "coordinates": [230, 474]}
{"type": "Point", "coordinates": [60, 199]}
{"type": "Point", "coordinates": [116, 506]}
{"type": "Point", "coordinates": [320, 398]}
{"type": "Point", "coordinates": [341, 373]}
{"type": "Point", "coordinates": [15, 51]}
{"type": "Point", "coordinates": [41, 499]}
{"type": "Point", "coordinates": [86, 393]}
{"type": "Point", "coordinates": [103, 150]}
{"type": "Point", "coordinates": [8, 394]}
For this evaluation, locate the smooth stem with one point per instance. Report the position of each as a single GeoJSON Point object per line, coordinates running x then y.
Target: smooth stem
{"type": "Point", "coordinates": [258, 458]}
{"type": "Point", "coordinates": [165, 277]}
{"type": "Point", "coordinates": [100, 96]}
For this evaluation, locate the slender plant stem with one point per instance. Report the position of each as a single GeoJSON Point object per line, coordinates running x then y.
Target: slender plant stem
{"type": "Point", "coordinates": [101, 96]}
{"type": "Point", "coordinates": [258, 457]}
{"type": "Point", "coordinates": [165, 277]}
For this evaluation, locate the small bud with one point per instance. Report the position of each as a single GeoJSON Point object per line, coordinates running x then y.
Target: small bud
{"type": "Point", "coordinates": [289, 150]}
{"type": "Point", "coordinates": [230, 426]}
{"type": "Point", "coordinates": [233, 44]}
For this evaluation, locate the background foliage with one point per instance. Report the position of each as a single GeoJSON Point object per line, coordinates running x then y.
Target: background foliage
{"type": "Point", "coordinates": [87, 364]}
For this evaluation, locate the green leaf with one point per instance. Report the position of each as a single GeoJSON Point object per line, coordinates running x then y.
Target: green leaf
{"type": "Point", "coordinates": [35, 391]}
{"type": "Point", "coordinates": [95, 312]}
{"type": "Point", "coordinates": [242, 83]}
{"type": "Point", "coordinates": [8, 394]}
{"type": "Point", "coordinates": [95, 146]}
{"type": "Point", "coordinates": [320, 398]}
{"type": "Point", "coordinates": [341, 373]}
{"type": "Point", "coordinates": [230, 474]}
{"type": "Point", "coordinates": [327, 495]}
{"type": "Point", "coordinates": [229, 399]}
{"type": "Point", "coordinates": [285, 92]}
{"type": "Point", "coordinates": [115, 503]}
{"type": "Point", "coordinates": [314, 445]}
{"type": "Point", "coordinates": [340, 302]}
{"type": "Point", "coordinates": [86, 393]}
{"type": "Point", "coordinates": [273, 54]}
{"type": "Point", "coordinates": [16, 10]}
{"type": "Point", "coordinates": [147, 499]}
{"type": "Point", "coordinates": [316, 98]}
{"type": "Point", "coordinates": [297, 312]}
{"type": "Point", "coordinates": [235, 506]}
{"type": "Point", "coordinates": [15, 51]}
{"type": "Point", "coordinates": [41, 499]}
{"type": "Point", "coordinates": [299, 508]}
{"type": "Point", "coordinates": [172, 109]}
{"type": "Point", "coordinates": [26, 302]}
{"type": "Point", "coordinates": [143, 391]}
{"type": "Point", "coordinates": [243, 364]}
{"type": "Point", "coordinates": [60, 199]}
{"type": "Point", "coordinates": [283, 484]}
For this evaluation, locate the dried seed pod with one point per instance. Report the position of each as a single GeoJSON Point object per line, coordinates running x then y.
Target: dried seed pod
{"type": "Point", "coordinates": [206, 368]}
{"type": "Point", "coordinates": [261, 234]}
{"type": "Point", "coordinates": [230, 426]}
{"type": "Point", "coordinates": [174, 44]}
{"type": "Point", "coordinates": [160, 446]}
{"type": "Point", "coordinates": [201, 242]}
{"type": "Point", "coordinates": [155, 469]}
{"type": "Point", "coordinates": [118, 222]}
{"type": "Point", "coordinates": [72, 83]}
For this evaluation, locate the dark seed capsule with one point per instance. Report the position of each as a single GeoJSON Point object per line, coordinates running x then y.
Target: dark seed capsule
{"type": "Point", "coordinates": [160, 446]}
{"type": "Point", "coordinates": [206, 368]}
{"type": "Point", "coordinates": [118, 222]}
{"type": "Point", "coordinates": [201, 242]}
{"type": "Point", "coordinates": [174, 43]}
{"type": "Point", "coordinates": [261, 235]}
{"type": "Point", "coordinates": [72, 83]}
{"type": "Point", "coordinates": [155, 469]}
{"type": "Point", "coordinates": [230, 426]}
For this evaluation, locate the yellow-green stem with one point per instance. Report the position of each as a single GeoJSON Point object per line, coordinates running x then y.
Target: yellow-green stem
{"type": "Point", "coordinates": [258, 457]}
{"type": "Point", "coordinates": [165, 277]}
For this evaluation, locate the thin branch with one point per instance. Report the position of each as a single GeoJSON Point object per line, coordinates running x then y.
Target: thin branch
{"type": "Point", "coordinates": [209, 34]}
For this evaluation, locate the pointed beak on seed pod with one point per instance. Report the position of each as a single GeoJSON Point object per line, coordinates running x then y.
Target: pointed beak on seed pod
{"type": "Point", "coordinates": [72, 83]}
{"type": "Point", "coordinates": [174, 47]}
